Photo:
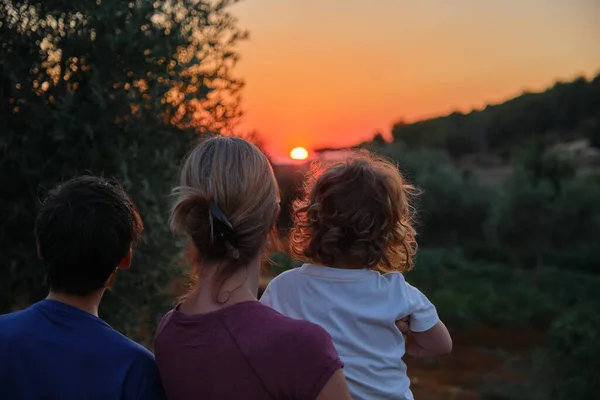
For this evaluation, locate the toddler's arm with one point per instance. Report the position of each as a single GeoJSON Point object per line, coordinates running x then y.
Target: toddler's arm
{"type": "Point", "coordinates": [430, 343]}
{"type": "Point", "coordinates": [425, 334]}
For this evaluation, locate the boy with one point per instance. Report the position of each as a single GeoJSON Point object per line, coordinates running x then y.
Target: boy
{"type": "Point", "coordinates": [58, 348]}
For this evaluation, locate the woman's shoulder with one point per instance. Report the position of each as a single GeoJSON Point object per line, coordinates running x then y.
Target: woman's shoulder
{"type": "Point", "coordinates": [284, 336]}
{"type": "Point", "coordinates": [283, 326]}
{"type": "Point", "coordinates": [300, 354]}
{"type": "Point", "coordinates": [163, 322]}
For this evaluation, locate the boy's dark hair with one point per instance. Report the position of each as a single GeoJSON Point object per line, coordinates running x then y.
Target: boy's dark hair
{"type": "Point", "coordinates": [84, 229]}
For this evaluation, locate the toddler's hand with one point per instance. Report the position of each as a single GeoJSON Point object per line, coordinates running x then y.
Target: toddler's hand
{"type": "Point", "coordinates": [403, 325]}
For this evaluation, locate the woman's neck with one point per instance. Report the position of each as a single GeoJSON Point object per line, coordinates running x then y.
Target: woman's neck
{"type": "Point", "coordinates": [212, 294]}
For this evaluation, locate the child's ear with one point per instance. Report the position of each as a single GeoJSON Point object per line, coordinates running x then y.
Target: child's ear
{"type": "Point", "coordinates": [39, 252]}
{"type": "Point", "coordinates": [125, 262]}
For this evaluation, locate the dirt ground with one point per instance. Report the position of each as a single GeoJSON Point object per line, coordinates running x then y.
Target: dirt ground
{"type": "Point", "coordinates": [482, 363]}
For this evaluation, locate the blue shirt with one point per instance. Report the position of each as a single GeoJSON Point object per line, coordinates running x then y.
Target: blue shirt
{"type": "Point", "coordinates": [55, 351]}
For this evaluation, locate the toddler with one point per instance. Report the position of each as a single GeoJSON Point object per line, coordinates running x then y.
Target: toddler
{"type": "Point", "coordinates": [354, 229]}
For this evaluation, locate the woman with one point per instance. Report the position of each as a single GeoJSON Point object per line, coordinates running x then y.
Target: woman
{"type": "Point", "coordinates": [220, 342]}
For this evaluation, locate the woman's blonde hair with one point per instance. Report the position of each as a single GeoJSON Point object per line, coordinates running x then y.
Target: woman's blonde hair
{"type": "Point", "coordinates": [357, 213]}
{"type": "Point", "coordinates": [226, 203]}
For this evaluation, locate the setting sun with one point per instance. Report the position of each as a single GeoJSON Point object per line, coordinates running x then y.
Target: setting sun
{"type": "Point", "coordinates": [299, 153]}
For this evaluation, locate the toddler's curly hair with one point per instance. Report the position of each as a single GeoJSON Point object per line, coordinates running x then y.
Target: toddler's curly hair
{"type": "Point", "coordinates": [355, 213]}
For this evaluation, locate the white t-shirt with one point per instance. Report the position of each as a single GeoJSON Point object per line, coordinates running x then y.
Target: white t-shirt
{"type": "Point", "coordinates": [359, 309]}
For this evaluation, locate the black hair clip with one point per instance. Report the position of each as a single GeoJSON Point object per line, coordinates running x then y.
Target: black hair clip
{"type": "Point", "coordinates": [222, 229]}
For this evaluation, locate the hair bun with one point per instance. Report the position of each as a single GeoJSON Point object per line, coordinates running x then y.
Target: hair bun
{"type": "Point", "coordinates": [204, 221]}
{"type": "Point", "coordinates": [190, 202]}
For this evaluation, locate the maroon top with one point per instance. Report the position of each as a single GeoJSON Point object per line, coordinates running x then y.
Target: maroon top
{"type": "Point", "coordinates": [245, 351]}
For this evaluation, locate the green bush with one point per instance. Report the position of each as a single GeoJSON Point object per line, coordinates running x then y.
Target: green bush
{"type": "Point", "coordinates": [576, 221]}
{"type": "Point", "coordinates": [521, 222]}
{"type": "Point", "coordinates": [468, 293]}
{"type": "Point", "coordinates": [546, 223]}
{"type": "Point", "coordinates": [570, 361]}
{"type": "Point", "coordinates": [451, 206]}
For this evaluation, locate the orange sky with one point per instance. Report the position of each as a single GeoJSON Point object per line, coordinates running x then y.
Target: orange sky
{"type": "Point", "coordinates": [333, 72]}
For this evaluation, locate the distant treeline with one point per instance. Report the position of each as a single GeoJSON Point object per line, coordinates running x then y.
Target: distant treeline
{"type": "Point", "coordinates": [566, 111]}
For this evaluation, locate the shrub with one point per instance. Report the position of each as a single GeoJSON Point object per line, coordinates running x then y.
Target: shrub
{"type": "Point", "coordinates": [570, 361]}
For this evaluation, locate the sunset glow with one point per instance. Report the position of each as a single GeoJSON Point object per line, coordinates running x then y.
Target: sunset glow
{"type": "Point", "coordinates": [299, 153]}
{"type": "Point", "coordinates": [309, 69]}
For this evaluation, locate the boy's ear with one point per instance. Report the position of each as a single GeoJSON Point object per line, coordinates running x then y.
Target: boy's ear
{"type": "Point", "coordinates": [125, 262]}
{"type": "Point", "coordinates": [39, 252]}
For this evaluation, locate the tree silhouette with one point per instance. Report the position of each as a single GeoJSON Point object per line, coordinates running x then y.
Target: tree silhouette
{"type": "Point", "coordinates": [116, 88]}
